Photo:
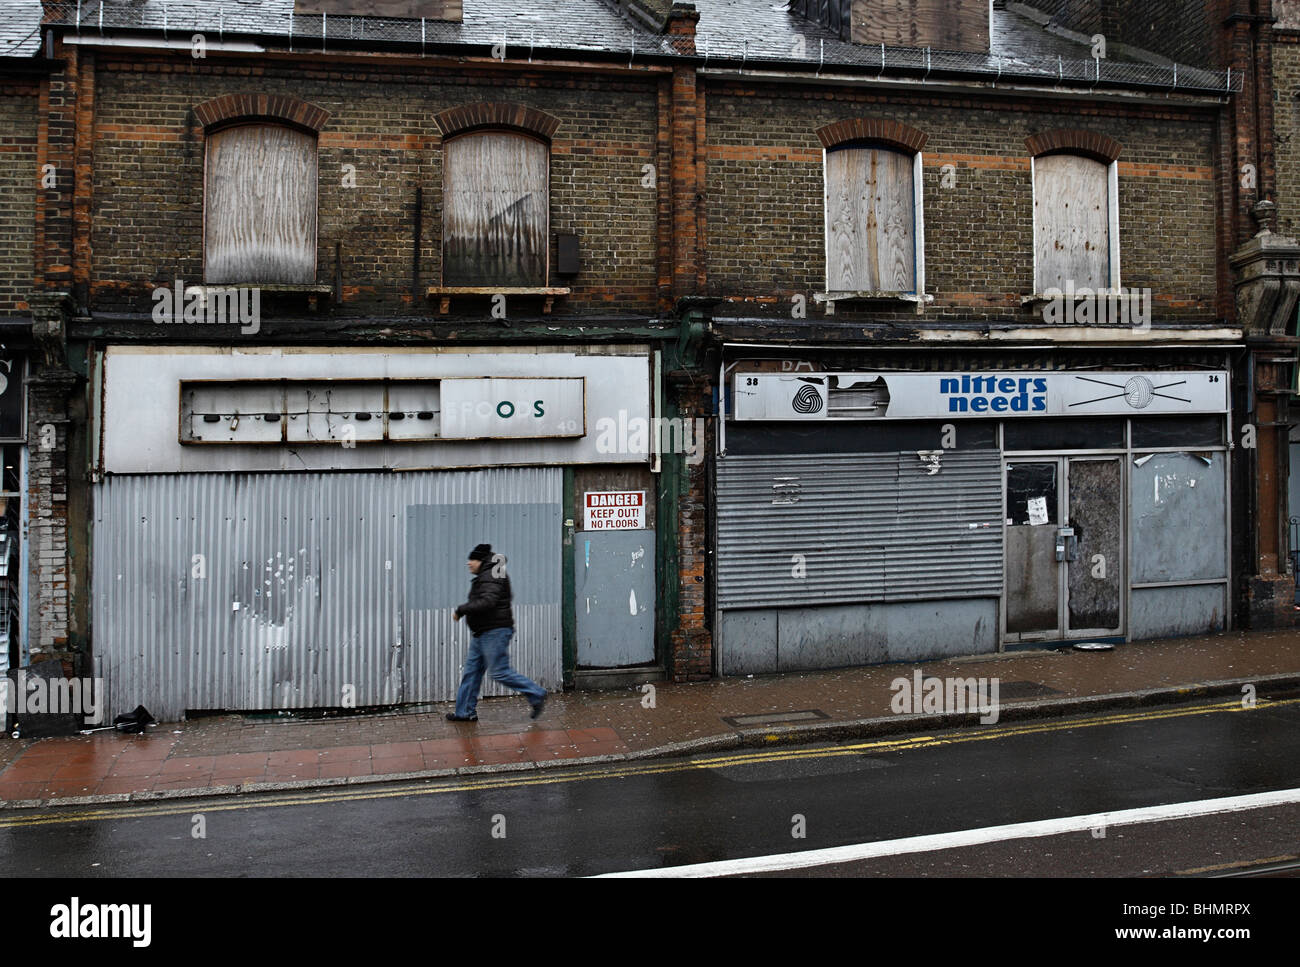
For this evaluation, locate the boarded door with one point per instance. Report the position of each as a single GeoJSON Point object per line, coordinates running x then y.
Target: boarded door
{"type": "Point", "coordinates": [615, 584]}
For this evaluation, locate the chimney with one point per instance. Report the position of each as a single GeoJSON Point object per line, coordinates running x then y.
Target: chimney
{"type": "Point", "coordinates": [682, 19]}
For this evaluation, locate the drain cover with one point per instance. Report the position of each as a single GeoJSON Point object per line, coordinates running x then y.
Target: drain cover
{"type": "Point", "coordinates": [775, 718]}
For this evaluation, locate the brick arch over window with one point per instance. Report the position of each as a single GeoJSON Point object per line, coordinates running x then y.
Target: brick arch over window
{"type": "Point", "coordinates": [1088, 143]}
{"type": "Point", "coordinates": [276, 108]}
{"type": "Point", "coordinates": [470, 117]}
{"type": "Point", "coordinates": [893, 134]}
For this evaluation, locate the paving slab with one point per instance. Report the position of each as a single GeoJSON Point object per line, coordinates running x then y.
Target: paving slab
{"type": "Point", "coordinates": [232, 754]}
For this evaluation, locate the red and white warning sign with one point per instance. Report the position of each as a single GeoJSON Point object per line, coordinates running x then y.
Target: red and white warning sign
{"type": "Point", "coordinates": [620, 510]}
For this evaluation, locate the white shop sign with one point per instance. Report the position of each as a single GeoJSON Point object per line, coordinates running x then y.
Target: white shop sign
{"type": "Point", "coordinates": [617, 510]}
{"type": "Point", "coordinates": [975, 395]}
{"type": "Point", "coordinates": [512, 408]}
{"type": "Point", "coordinates": [144, 428]}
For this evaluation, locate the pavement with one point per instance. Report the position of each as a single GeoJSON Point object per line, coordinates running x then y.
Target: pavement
{"type": "Point", "coordinates": [231, 754]}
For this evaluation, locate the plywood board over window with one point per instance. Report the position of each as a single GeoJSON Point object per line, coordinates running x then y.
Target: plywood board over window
{"type": "Point", "coordinates": [870, 221]}
{"type": "Point", "coordinates": [1072, 237]}
{"type": "Point", "coordinates": [943, 24]}
{"type": "Point", "coordinates": [260, 207]}
{"type": "Point", "coordinates": [495, 210]}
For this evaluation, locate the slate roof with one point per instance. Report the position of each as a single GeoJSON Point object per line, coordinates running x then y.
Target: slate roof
{"type": "Point", "coordinates": [20, 22]}
{"type": "Point", "coordinates": [561, 24]}
{"type": "Point", "coordinates": [746, 31]}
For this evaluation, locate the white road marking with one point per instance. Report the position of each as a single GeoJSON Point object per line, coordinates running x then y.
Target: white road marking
{"type": "Point", "coordinates": [972, 837]}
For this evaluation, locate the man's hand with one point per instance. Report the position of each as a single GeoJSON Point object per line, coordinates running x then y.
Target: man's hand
{"type": "Point", "coordinates": [455, 616]}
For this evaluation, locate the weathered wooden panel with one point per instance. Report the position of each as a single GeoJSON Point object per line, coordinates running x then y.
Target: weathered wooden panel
{"type": "Point", "coordinates": [1071, 222]}
{"type": "Point", "coordinates": [833, 14]}
{"type": "Point", "coordinates": [870, 221]}
{"type": "Point", "coordinates": [409, 9]}
{"type": "Point", "coordinates": [943, 24]}
{"type": "Point", "coordinates": [1097, 516]}
{"type": "Point", "coordinates": [1287, 13]}
{"type": "Point", "coordinates": [260, 206]}
{"type": "Point", "coordinates": [495, 210]}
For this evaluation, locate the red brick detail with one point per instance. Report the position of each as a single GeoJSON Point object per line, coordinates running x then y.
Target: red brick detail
{"type": "Point", "coordinates": [1089, 143]}
{"type": "Point", "coordinates": [895, 134]}
{"type": "Point", "coordinates": [467, 117]}
{"type": "Point", "coordinates": [685, 180]}
{"type": "Point", "coordinates": [230, 108]}
{"type": "Point", "coordinates": [682, 19]}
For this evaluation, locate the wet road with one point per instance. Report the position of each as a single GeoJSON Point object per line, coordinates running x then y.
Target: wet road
{"type": "Point", "coordinates": [651, 814]}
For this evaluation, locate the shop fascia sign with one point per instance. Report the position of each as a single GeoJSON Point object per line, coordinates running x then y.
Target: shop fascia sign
{"type": "Point", "coordinates": [500, 408]}
{"type": "Point", "coordinates": [975, 395]}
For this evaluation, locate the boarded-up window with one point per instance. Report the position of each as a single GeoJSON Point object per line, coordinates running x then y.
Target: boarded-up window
{"type": "Point", "coordinates": [260, 209]}
{"type": "Point", "coordinates": [495, 210]}
{"type": "Point", "coordinates": [870, 221]}
{"type": "Point", "coordinates": [1071, 222]}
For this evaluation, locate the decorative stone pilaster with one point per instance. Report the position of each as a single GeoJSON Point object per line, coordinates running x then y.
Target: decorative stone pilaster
{"type": "Point", "coordinates": [1268, 279]}
{"type": "Point", "coordinates": [1267, 290]}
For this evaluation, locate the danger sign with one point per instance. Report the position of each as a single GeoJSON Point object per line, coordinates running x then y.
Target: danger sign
{"type": "Point", "coordinates": [621, 510]}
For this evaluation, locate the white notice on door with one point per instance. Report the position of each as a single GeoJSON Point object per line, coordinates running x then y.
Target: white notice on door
{"type": "Point", "coordinates": [1037, 511]}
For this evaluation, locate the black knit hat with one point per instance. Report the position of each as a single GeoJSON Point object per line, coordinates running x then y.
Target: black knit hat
{"type": "Point", "coordinates": [483, 552]}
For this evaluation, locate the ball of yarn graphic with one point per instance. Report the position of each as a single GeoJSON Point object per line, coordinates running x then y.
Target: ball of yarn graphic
{"type": "Point", "coordinates": [807, 400]}
{"type": "Point", "coordinates": [1139, 392]}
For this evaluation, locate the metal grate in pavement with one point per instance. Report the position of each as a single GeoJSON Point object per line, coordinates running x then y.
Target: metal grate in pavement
{"type": "Point", "coordinates": [774, 718]}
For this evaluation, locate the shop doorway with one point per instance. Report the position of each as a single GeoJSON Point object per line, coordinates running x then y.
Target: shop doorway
{"type": "Point", "coordinates": [1064, 548]}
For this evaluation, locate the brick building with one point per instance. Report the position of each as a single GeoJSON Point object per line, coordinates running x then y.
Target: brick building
{"type": "Point", "coordinates": [505, 270]}
{"type": "Point", "coordinates": [1280, 41]}
{"type": "Point", "coordinates": [33, 578]}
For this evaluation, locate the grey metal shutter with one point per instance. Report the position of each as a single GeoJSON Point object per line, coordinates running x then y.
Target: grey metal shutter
{"type": "Point", "coordinates": [310, 584]}
{"type": "Point", "coordinates": [859, 527]}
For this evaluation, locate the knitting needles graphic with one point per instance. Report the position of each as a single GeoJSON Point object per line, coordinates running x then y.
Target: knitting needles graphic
{"type": "Point", "coordinates": [1138, 384]}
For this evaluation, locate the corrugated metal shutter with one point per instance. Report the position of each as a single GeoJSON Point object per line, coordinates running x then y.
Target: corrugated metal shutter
{"type": "Point", "coordinates": [308, 583]}
{"type": "Point", "coordinates": [868, 527]}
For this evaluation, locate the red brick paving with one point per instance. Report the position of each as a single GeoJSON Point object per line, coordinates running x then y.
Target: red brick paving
{"type": "Point", "coordinates": [231, 750]}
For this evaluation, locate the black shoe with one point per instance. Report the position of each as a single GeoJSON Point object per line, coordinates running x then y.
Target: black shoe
{"type": "Point", "coordinates": [453, 717]}
{"type": "Point", "coordinates": [537, 709]}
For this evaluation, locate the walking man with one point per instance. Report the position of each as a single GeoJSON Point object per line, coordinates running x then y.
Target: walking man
{"type": "Point", "coordinates": [492, 624]}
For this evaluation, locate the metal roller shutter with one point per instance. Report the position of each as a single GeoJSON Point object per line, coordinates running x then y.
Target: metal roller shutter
{"type": "Point", "coordinates": [848, 528]}
{"type": "Point", "coordinates": [280, 591]}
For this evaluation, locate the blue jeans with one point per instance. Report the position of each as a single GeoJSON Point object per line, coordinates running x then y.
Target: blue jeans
{"type": "Point", "coordinates": [488, 651]}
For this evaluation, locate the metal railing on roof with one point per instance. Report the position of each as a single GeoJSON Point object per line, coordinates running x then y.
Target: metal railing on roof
{"type": "Point", "coordinates": [276, 19]}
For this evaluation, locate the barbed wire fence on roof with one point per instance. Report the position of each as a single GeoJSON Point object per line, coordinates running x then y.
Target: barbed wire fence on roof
{"type": "Point", "coordinates": [275, 23]}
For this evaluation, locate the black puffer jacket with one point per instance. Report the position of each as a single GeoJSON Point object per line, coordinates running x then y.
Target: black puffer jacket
{"type": "Point", "coordinates": [488, 606]}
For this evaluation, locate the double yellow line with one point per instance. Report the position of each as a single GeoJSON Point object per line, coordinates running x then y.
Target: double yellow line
{"type": "Point", "coordinates": [549, 777]}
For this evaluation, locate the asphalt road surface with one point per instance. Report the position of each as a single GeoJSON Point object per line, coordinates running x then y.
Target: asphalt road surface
{"type": "Point", "coordinates": [658, 814]}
